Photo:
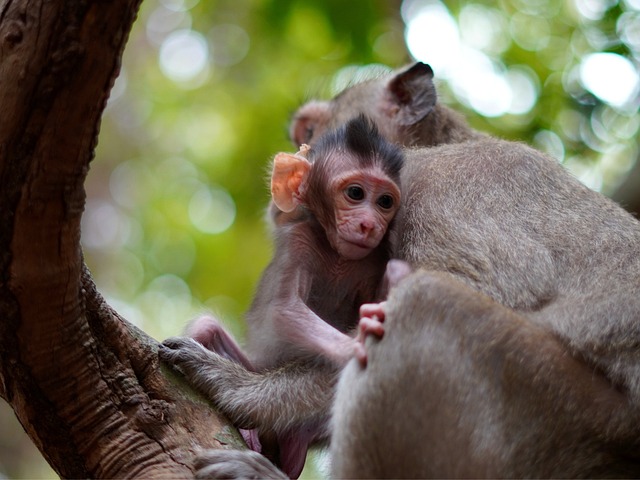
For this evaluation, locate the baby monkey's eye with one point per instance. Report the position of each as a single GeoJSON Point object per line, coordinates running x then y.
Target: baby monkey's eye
{"type": "Point", "coordinates": [385, 201]}
{"type": "Point", "coordinates": [355, 192]}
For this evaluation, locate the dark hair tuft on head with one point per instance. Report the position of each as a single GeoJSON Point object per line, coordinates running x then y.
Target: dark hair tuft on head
{"type": "Point", "coordinates": [360, 137]}
{"type": "Point", "coordinates": [364, 140]}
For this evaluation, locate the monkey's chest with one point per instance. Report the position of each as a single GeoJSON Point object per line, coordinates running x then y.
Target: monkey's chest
{"type": "Point", "coordinates": [338, 302]}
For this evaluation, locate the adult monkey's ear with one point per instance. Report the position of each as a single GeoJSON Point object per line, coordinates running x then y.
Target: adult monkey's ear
{"type": "Point", "coordinates": [287, 178]}
{"type": "Point", "coordinates": [307, 120]}
{"type": "Point", "coordinates": [411, 94]}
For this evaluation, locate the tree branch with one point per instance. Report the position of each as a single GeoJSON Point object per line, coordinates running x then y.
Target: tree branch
{"type": "Point", "coordinates": [85, 384]}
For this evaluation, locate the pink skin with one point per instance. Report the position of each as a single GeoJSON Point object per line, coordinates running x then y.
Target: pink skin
{"type": "Point", "coordinates": [359, 231]}
{"type": "Point", "coordinates": [208, 331]}
{"type": "Point", "coordinates": [371, 319]}
{"type": "Point", "coordinates": [362, 223]}
{"type": "Point", "coordinates": [372, 315]}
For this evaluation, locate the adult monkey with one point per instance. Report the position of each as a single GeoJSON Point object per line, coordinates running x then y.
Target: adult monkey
{"type": "Point", "coordinates": [513, 351]}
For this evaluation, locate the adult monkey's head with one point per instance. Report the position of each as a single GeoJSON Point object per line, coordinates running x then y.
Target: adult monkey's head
{"type": "Point", "coordinates": [402, 105]}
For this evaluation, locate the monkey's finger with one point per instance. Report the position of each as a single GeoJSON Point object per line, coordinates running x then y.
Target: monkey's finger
{"type": "Point", "coordinates": [178, 350]}
{"type": "Point", "coordinates": [168, 355]}
{"type": "Point", "coordinates": [361, 355]}
{"type": "Point", "coordinates": [235, 464]}
{"type": "Point", "coordinates": [370, 326]}
{"type": "Point", "coordinates": [176, 343]}
{"type": "Point", "coordinates": [371, 310]}
{"type": "Point", "coordinates": [173, 343]}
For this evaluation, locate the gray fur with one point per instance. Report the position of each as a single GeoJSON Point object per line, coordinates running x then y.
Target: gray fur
{"type": "Point", "coordinates": [463, 387]}
{"type": "Point", "coordinates": [512, 223]}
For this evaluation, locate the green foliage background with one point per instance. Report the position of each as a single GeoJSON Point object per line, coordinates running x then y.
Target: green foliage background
{"type": "Point", "coordinates": [176, 156]}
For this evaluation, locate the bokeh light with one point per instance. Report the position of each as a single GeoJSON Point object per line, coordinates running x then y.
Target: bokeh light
{"type": "Point", "coordinates": [211, 210]}
{"type": "Point", "coordinates": [432, 36]}
{"type": "Point", "coordinates": [464, 56]}
{"type": "Point", "coordinates": [230, 43]}
{"type": "Point", "coordinates": [611, 77]}
{"type": "Point", "coordinates": [469, 52]}
{"type": "Point", "coordinates": [184, 57]}
{"type": "Point", "coordinates": [162, 21]}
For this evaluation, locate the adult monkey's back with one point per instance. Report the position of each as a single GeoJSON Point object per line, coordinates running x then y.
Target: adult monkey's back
{"type": "Point", "coordinates": [515, 350]}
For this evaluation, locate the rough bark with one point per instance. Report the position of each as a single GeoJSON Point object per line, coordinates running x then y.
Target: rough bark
{"type": "Point", "coordinates": [85, 384]}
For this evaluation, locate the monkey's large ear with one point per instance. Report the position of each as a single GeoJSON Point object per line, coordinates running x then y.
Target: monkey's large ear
{"type": "Point", "coordinates": [289, 171]}
{"type": "Point", "coordinates": [412, 93]}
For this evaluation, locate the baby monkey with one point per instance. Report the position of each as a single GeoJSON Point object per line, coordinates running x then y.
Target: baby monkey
{"type": "Point", "coordinates": [331, 250]}
{"type": "Point", "coordinates": [338, 200]}
{"type": "Point", "coordinates": [330, 255]}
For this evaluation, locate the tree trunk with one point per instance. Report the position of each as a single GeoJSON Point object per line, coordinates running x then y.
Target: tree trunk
{"type": "Point", "coordinates": [85, 384]}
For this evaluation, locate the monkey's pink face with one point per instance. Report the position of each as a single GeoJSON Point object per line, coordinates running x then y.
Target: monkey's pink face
{"type": "Point", "coordinates": [366, 202]}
